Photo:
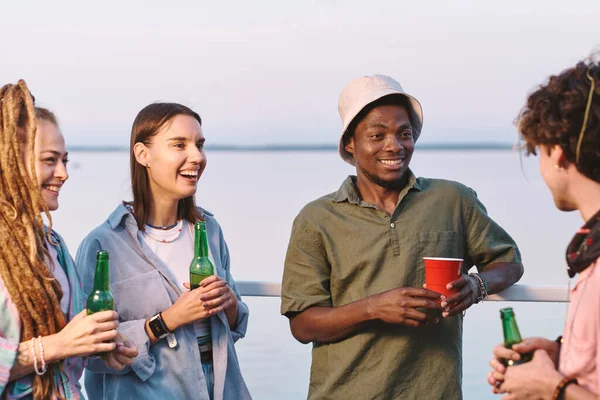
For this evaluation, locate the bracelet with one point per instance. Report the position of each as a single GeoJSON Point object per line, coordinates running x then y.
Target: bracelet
{"type": "Point", "coordinates": [32, 354]}
{"type": "Point", "coordinates": [560, 388]}
{"type": "Point", "coordinates": [44, 368]}
{"type": "Point", "coordinates": [483, 293]}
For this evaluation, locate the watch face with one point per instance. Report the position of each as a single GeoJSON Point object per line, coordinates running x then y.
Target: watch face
{"type": "Point", "coordinates": [157, 327]}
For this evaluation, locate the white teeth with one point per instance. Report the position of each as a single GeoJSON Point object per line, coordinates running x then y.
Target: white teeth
{"type": "Point", "coordinates": [391, 162]}
{"type": "Point", "coordinates": [189, 173]}
{"type": "Point", "coordinates": [52, 188]}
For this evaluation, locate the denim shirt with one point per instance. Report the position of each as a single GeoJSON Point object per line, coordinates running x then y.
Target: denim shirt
{"type": "Point", "coordinates": [142, 286]}
{"type": "Point", "coordinates": [67, 383]}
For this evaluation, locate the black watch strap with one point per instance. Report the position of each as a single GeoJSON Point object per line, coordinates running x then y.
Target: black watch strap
{"type": "Point", "coordinates": [158, 327]}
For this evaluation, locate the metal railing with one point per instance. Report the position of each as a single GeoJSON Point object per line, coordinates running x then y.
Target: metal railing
{"type": "Point", "coordinates": [518, 292]}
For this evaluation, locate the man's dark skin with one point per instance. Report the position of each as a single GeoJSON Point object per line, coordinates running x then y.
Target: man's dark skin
{"type": "Point", "coordinates": [382, 146]}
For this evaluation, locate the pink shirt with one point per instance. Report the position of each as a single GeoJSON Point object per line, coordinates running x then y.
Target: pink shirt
{"type": "Point", "coordinates": [580, 352]}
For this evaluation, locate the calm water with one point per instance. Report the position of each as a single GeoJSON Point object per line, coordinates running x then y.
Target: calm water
{"type": "Point", "coordinates": [256, 195]}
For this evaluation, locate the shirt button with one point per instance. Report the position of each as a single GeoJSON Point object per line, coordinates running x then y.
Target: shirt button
{"type": "Point", "coordinates": [392, 225]}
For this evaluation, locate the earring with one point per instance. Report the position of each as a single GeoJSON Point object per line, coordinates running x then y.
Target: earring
{"type": "Point", "coordinates": [148, 165]}
{"type": "Point", "coordinates": [559, 169]}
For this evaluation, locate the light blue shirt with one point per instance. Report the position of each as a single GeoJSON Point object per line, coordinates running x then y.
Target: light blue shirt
{"type": "Point", "coordinates": [142, 286]}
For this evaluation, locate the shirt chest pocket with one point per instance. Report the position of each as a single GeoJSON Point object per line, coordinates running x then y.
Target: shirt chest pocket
{"type": "Point", "coordinates": [444, 244]}
{"type": "Point", "coordinates": [141, 296]}
{"type": "Point", "coordinates": [438, 244]}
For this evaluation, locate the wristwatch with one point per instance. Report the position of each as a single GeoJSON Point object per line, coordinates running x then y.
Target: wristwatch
{"type": "Point", "coordinates": [158, 327]}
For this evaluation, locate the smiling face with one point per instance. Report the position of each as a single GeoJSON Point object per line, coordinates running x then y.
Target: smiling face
{"type": "Point", "coordinates": [382, 146]}
{"type": "Point", "coordinates": [174, 159]}
{"type": "Point", "coordinates": [51, 159]}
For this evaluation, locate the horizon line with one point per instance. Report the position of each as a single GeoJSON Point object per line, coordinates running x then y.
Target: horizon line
{"type": "Point", "coordinates": [304, 147]}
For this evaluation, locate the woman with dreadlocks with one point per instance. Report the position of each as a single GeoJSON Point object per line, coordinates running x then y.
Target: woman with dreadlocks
{"type": "Point", "coordinates": [43, 331]}
{"type": "Point", "coordinates": [562, 120]}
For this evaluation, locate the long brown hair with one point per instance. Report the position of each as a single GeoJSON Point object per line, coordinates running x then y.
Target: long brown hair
{"type": "Point", "coordinates": [147, 124]}
{"type": "Point", "coordinates": [29, 282]}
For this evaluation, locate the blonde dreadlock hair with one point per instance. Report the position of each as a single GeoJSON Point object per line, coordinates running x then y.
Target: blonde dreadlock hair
{"type": "Point", "coordinates": [23, 268]}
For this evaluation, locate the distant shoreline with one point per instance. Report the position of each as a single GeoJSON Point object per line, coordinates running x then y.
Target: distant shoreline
{"type": "Point", "coordinates": [307, 147]}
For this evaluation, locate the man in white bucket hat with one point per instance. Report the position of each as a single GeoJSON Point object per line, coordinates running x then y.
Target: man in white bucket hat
{"type": "Point", "coordinates": [353, 277]}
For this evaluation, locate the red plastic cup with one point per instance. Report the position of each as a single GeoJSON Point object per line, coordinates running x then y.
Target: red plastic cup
{"type": "Point", "coordinates": [441, 271]}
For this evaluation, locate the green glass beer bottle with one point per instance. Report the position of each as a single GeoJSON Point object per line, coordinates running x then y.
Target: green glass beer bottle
{"type": "Point", "coordinates": [201, 267]}
{"type": "Point", "coordinates": [512, 335]}
{"type": "Point", "coordinates": [101, 299]}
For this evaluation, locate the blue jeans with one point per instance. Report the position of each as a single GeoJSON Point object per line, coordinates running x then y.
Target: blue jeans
{"type": "Point", "coordinates": [209, 373]}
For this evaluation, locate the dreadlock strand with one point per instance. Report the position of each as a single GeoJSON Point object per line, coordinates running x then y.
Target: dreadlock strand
{"type": "Point", "coordinates": [19, 256]}
{"type": "Point", "coordinates": [18, 193]}
{"type": "Point", "coordinates": [31, 187]}
{"type": "Point", "coordinates": [42, 297]}
{"type": "Point", "coordinates": [38, 201]}
{"type": "Point", "coordinates": [7, 154]}
{"type": "Point", "coordinates": [12, 258]}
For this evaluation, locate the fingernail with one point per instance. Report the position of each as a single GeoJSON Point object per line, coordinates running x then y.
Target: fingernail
{"type": "Point", "coordinates": [443, 304]}
{"type": "Point", "coordinates": [443, 297]}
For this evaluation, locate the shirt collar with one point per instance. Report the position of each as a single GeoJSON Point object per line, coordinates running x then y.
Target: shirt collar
{"type": "Point", "coordinates": [349, 192]}
{"type": "Point", "coordinates": [118, 215]}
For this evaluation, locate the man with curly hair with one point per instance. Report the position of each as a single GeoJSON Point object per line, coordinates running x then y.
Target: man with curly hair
{"type": "Point", "coordinates": [562, 120]}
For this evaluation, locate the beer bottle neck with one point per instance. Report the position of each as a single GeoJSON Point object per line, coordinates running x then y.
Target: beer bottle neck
{"type": "Point", "coordinates": [511, 331]}
{"type": "Point", "coordinates": [201, 242]}
{"type": "Point", "coordinates": [101, 279]}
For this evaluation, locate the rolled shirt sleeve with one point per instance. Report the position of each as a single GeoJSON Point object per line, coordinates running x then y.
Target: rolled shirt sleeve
{"type": "Point", "coordinates": [306, 276]}
{"type": "Point", "coordinates": [486, 241]}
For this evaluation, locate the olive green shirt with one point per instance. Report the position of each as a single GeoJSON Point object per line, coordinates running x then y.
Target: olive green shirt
{"type": "Point", "coordinates": [343, 249]}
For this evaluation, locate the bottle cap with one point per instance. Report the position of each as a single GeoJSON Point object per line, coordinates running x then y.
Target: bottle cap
{"type": "Point", "coordinates": [506, 312]}
{"type": "Point", "coordinates": [102, 254]}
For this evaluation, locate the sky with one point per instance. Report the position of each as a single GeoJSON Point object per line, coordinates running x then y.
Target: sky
{"type": "Point", "coordinates": [270, 72]}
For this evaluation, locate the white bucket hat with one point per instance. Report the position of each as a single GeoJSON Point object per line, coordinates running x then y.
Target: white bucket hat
{"type": "Point", "coordinates": [361, 92]}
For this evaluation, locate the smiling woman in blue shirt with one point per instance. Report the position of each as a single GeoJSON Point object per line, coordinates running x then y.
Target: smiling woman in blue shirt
{"type": "Point", "coordinates": [185, 337]}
